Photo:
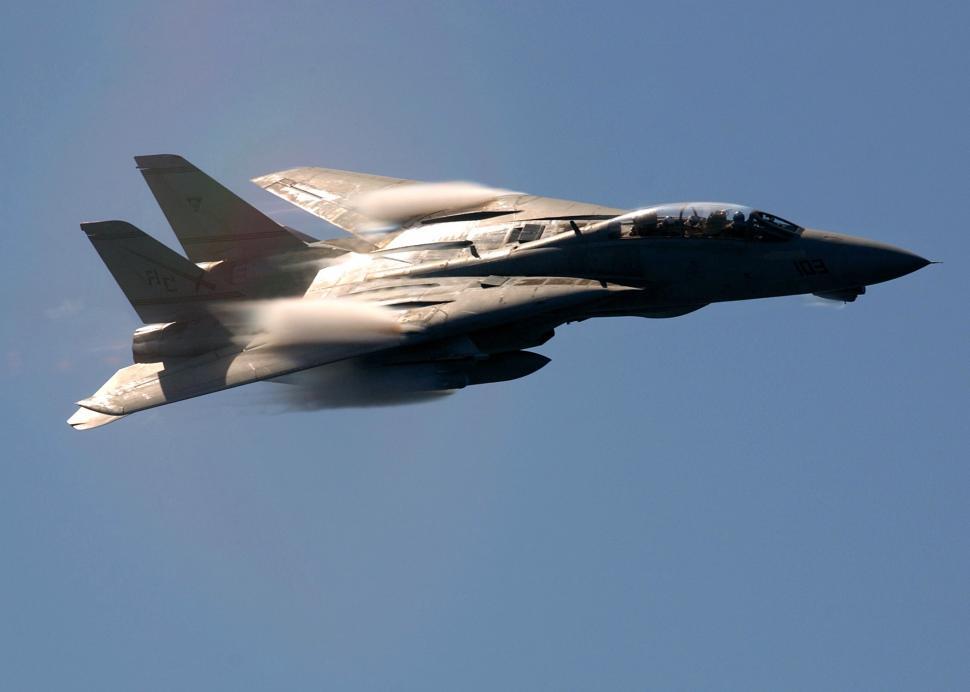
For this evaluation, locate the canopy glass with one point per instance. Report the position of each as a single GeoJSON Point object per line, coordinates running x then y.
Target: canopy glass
{"type": "Point", "coordinates": [708, 220]}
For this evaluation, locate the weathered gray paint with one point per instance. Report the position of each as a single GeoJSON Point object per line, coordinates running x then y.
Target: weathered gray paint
{"type": "Point", "coordinates": [471, 290]}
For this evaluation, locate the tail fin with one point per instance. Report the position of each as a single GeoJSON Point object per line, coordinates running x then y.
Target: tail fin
{"type": "Point", "coordinates": [210, 221]}
{"type": "Point", "coordinates": [160, 284]}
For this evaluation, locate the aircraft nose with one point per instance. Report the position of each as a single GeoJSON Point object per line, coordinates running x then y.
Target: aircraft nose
{"type": "Point", "coordinates": [897, 262]}
{"type": "Point", "coordinates": [872, 262]}
{"type": "Point", "coordinates": [879, 262]}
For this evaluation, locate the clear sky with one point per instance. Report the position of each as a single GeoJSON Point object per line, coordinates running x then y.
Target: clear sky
{"type": "Point", "coordinates": [759, 496]}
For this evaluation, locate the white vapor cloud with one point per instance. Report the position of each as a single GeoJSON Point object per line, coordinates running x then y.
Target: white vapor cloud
{"type": "Point", "coordinates": [294, 321]}
{"type": "Point", "coordinates": [66, 308]}
{"type": "Point", "coordinates": [404, 202]}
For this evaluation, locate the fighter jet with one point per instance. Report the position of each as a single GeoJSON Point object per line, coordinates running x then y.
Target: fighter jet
{"type": "Point", "coordinates": [437, 286]}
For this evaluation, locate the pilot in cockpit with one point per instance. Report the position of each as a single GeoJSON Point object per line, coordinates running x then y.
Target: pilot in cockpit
{"type": "Point", "coordinates": [738, 228]}
{"type": "Point", "coordinates": [717, 222]}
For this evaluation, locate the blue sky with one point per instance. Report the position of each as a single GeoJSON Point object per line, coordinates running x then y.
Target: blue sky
{"type": "Point", "coordinates": [761, 495]}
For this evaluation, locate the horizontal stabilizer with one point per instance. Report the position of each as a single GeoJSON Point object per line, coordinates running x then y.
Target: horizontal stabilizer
{"type": "Point", "coordinates": [211, 222]}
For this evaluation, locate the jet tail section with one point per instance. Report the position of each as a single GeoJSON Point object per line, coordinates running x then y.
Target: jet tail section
{"type": "Point", "coordinates": [159, 283]}
{"type": "Point", "coordinates": [210, 221]}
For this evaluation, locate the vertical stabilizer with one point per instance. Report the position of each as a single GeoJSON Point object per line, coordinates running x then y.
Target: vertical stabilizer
{"type": "Point", "coordinates": [159, 283]}
{"type": "Point", "coordinates": [210, 221]}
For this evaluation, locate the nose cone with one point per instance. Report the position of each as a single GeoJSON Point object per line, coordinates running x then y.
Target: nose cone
{"type": "Point", "coordinates": [899, 262]}
{"type": "Point", "coordinates": [881, 262]}
{"type": "Point", "coordinates": [866, 260]}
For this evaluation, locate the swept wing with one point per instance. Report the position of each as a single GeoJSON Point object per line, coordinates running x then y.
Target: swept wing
{"type": "Point", "coordinates": [334, 195]}
{"type": "Point", "coordinates": [474, 304]}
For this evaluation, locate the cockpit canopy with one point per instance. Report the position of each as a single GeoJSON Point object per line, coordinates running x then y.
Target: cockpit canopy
{"type": "Point", "coordinates": [707, 220]}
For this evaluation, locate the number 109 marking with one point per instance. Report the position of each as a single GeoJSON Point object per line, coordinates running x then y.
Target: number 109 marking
{"type": "Point", "coordinates": [810, 267]}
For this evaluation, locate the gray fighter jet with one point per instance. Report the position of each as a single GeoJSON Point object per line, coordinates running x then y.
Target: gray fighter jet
{"type": "Point", "coordinates": [438, 286]}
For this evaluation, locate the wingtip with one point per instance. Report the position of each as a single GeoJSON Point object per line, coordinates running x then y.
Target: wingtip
{"type": "Point", "coordinates": [267, 179]}
{"type": "Point", "coordinates": [99, 405]}
{"type": "Point", "coordinates": [264, 181]}
{"type": "Point", "coordinates": [86, 419]}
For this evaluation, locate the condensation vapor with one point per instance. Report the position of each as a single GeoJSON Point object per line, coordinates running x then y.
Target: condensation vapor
{"type": "Point", "coordinates": [814, 301]}
{"type": "Point", "coordinates": [403, 202]}
{"type": "Point", "coordinates": [343, 326]}
{"type": "Point", "coordinates": [347, 384]}
{"type": "Point", "coordinates": [301, 321]}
